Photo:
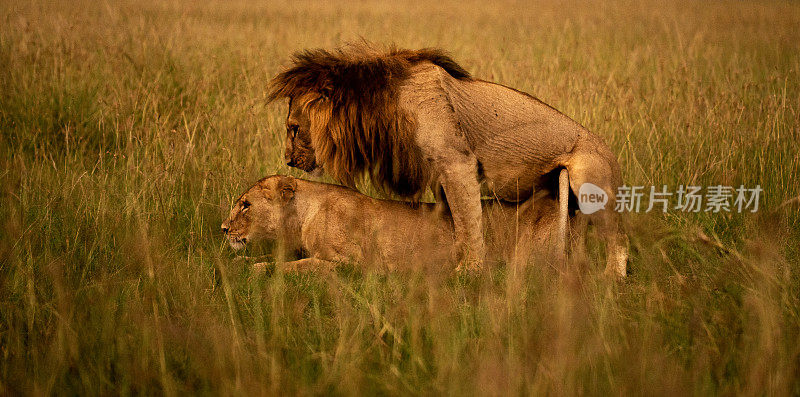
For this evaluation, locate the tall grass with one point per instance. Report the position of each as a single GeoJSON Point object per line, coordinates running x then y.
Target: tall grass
{"type": "Point", "coordinates": [129, 127]}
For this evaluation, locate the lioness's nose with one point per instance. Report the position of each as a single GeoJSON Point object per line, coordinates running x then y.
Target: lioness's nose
{"type": "Point", "coordinates": [290, 163]}
{"type": "Point", "coordinates": [224, 228]}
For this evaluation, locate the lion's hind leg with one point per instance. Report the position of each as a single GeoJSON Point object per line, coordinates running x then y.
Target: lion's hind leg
{"type": "Point", "coordinates": [603, 172]}
{"type": "Point", "coordinates": [563, 213]}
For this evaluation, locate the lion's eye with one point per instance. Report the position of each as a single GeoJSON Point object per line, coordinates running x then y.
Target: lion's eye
{"type": "Point", "coordinates": [245, 205]}
{"type": "Point", "coordinates": [293, 128]}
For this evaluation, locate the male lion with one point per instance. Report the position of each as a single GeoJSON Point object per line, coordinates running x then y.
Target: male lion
{"type": "Point", "coordinates": [326, 224]}
{"type": "Point", "coordinates": [416, 119]}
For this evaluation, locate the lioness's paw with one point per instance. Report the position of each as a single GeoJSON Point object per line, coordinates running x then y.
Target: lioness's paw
{"type": "Point", "coordinates": [469, 266]}
{"type": "Point", "coordinates": [616, 274]}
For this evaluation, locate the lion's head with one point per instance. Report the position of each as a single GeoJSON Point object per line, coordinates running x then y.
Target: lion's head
{"type": "Point", "coordinates": [258, 214]}
{"type": "Point", "coordinates": [299, 151]}
{"type": "Point", "coordinates": [344, 115]}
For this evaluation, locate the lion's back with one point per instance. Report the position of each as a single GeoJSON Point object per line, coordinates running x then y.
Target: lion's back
{"type": "Point", "coordinates": [515, 137]}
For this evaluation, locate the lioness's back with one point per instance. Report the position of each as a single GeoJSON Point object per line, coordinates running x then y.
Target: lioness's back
{"type": "Point", "coordinates": [374, 231]}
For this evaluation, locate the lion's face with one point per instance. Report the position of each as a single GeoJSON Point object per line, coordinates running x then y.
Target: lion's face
{"type": "Point", "coordinates": [257, 214]}
{"type": "Point", "coordinates": [299, 152]}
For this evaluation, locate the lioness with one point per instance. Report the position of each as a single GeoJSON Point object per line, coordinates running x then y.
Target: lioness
{"type": "Point", "coordinates": [413, 119]}
{"type": "Point", "coordinates": [324, 224]}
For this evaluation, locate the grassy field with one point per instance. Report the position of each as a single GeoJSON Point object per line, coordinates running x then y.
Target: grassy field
{"type": "Point", "coordinates": [127, 129]}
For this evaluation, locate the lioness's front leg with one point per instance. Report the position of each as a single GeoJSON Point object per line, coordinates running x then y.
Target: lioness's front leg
{"type": "Point", "coordinates": [308, 264]}
{"type": "Point", "coordinates": [300, 265]}
{"type": "Point", "coordinates": [462, 190]}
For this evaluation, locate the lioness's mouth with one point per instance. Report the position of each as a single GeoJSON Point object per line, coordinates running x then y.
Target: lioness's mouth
{"type": "Point", "coordinates": [305, 166]}
{"type": "Point", "coordinates": [237, 243]}
{"type": "Point", "coordinates": [316, 172]}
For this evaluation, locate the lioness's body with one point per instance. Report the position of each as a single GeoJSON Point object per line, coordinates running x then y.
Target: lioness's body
{"type": "Point", "coordinates": [331, 224]}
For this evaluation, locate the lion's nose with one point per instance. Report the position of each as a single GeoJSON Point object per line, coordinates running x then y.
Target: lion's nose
{"type": "Point", "coordinates": [225, 228]}
{"type": "Point", "coordinates": [290, 163]}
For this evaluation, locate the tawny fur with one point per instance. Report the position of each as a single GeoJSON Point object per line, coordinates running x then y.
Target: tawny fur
{"type": "Point", "coordinates": [320, 224]}
{"type": "Point", "coordinates": [412, 119]}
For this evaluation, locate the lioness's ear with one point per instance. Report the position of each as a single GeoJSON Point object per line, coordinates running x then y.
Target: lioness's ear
{"type": "Point", "coordinates": [286, 188]}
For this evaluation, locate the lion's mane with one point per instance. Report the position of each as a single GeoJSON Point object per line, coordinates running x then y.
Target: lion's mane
{"type": "Point", "coordinates": [357, 126]}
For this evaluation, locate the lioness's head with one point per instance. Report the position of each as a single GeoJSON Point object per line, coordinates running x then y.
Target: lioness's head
{"type": "Point", "coordinates": [258, 213]}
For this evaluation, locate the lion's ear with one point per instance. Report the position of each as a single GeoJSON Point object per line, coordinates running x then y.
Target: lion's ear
{"type": "Point", "coordinates": [286, 188]}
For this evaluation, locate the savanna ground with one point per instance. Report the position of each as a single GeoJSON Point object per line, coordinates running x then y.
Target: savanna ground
{"type": "Point", "coordinates": [128, 129]}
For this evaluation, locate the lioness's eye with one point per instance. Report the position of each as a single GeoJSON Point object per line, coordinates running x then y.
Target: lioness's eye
{"type": "Point", "coordinates": [245, 205]}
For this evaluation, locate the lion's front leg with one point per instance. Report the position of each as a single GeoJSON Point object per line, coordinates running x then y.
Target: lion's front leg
{"type": "Point", "coordinates": [462, 190]}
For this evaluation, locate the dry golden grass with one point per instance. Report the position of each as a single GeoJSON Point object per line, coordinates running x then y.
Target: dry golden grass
{"type": "Point", "coordinates": [127, 128]}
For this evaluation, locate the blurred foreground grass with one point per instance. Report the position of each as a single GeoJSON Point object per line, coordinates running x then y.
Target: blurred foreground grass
{"type": "Point", "coordinates": [127, 128]}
